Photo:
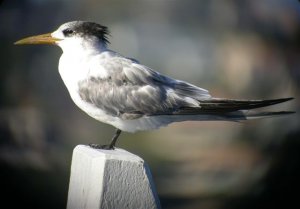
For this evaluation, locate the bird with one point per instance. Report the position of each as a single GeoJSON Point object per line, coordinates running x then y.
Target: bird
{"type": "Point", "coordinates": [130, 96]}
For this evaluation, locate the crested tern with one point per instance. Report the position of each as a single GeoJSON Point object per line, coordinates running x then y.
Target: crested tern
{"type": "Point", "coordinates": [130, 96]}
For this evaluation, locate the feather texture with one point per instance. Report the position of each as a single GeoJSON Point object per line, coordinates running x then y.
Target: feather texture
{"type": "Point", "coordinates": [131, 90]}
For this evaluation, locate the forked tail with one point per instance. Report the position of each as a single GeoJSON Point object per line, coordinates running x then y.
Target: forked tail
{"type": "Point", "coordinates": [229, 109]}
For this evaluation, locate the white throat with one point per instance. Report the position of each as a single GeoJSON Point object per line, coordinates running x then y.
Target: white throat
{"type": "Point", "coordinates": [74, 62]}
{"type": "Point", "coordinates": [78, 47]}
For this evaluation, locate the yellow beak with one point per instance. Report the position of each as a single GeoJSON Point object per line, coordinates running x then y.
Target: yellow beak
{"type": "Point", "coordinates": [39, 39]}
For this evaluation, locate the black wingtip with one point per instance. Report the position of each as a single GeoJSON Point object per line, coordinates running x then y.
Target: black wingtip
{"type": "Point", "coordinates": [252, 104]}
{"type": "Point", "coordinates": [282, 100]}
{"type": "Point", "coordinates": [277, 101]}
{"type": "Point", "coordinates": [265, 103]}
{"type": "Point", "coordinates": [217, 105]}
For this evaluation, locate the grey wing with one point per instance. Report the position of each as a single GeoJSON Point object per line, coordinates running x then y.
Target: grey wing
{"type": "Point", "coordinates": [132, 90]}
{"type": "Point", "coordinates": [180, 88]}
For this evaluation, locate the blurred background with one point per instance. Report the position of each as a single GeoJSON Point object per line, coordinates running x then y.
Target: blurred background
{"type": "Point", "coordinates": [241, 49]}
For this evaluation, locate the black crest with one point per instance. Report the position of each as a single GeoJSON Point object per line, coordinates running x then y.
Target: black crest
{"type": "Point", "coordinates": [88, 29]}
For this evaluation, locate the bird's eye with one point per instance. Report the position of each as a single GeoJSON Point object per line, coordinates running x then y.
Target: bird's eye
{"type": "Point", "coordinates": [68, 32]}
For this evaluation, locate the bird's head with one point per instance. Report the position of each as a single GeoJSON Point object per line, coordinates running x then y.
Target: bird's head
{"type": "Point", "coordinates": [71, 35]}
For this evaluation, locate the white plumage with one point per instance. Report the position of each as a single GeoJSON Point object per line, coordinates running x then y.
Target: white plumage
{"type": "Point", "coordinates": [130, 96]}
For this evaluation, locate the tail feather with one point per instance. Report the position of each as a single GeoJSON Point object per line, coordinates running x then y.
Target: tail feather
{"type": "Point", "coordinates": [215, 110]}
{"type": "Point", "coordinates": [235, 110]}
{"type": "Point", "coordinates": [250, 115]}
{"type": "Point", "coordinates": [227, 105]}
{"type": "Point", "coordinates": [223, 106]}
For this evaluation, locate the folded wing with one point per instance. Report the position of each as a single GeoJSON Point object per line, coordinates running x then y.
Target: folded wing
{"type": "Point", "coordinates": [130, 90]}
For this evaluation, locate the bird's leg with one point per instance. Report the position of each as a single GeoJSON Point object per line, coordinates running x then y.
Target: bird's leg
{"type": "Point", "coordinates": [112, 143]}
{"type": "Point", "coordinates": [114, 139]}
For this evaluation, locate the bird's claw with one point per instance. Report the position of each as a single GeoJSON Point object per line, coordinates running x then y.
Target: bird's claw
{"type": "Point", "coordinates": [99, 146]}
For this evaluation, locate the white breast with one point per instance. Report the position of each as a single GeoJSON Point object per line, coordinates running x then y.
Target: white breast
{"type": "Point", "coordinates": [75, 69]}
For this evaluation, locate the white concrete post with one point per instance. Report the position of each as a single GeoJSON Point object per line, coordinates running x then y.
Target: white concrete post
{"type": "Point", "coordinates": [110, 179]}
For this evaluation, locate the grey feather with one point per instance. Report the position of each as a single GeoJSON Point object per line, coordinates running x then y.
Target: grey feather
{"type": "Point", "coordinates": [132, 90]}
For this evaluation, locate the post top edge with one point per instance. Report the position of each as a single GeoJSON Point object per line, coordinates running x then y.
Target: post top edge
{"type": "Point", "coordinates": [116, 154]}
